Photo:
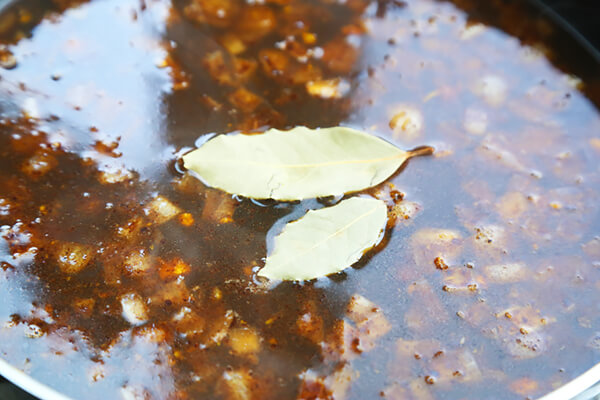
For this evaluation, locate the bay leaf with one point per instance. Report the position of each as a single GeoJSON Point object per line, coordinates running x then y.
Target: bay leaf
{"type": "Point", "coordinates": [327, 240]}
{"type": "Point", "coordinates": [297, 164]}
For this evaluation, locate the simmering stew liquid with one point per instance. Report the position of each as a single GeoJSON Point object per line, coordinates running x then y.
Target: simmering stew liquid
{"type": "Point", "coordinates": [124, 277]}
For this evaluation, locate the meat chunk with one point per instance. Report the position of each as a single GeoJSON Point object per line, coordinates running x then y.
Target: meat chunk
{"type": "Point", "coordinates": [130, 229]}
{"type": "Point", "coordinates": [219, 206]}
{"type": "Point", "coordinates": [150, 334]}
{"type": "Point", "coordinates": [455, 365]}
{"type": "Point", "coordinates": [395, 392]}
{"type": "Point", "coordinates": [414, 350]}
{"type": "Point", "coordinates": [39, 164]}
{"type": "Point", "coordinates": [520, 329]}
{"type": "Point", "coordinates": [310, 324]}
{"type": "Point", "coordinates": [244, 68]}
{"type": "Point", "coordinates": [84, 307]}
{"type": "Point", "coordinates": [364, 312]}
{"type": "Point", "coordinates": [330, 387]}
{"type": "Point", "coordinates": [134, 392]}
{"type": "Point", "coordinates": [490, 241]}
{"type": "Point", "coordinates": [232, 43]}
{"type": "Point", "coordinates": [188, 323]}
{"type": "Point", "coordinates": [219, 13]}
{"type": "Point", "coordinates": [219, 70]}
{"type": "Point", "coordinates": [429, 243]}
{"type": "Point", "coordinates": [506, 273]}
{"type": "Point", "coordinates": [245, 100]}
{"type": "Point", "coordinates": [524, 387]}
{"type": "Point", "coordinates": [462, 281]}
{"type": "Point", "coordinates": [406, 122]}
{"type": "Point", "coordinates": [475, 121]}
{"type": "Point", "coordinates": [255, 22]}
{"type": "Point", "coordinates": [359, 334]}
{"type": "Point", "coordinates": [161, 210]}
{"type": "Point", "coordinates": [73, 257]}
{"type": "Point", "coordinates": [512, 205]}
{"type": "Point", "coordinates": [592, 248]}
{"type": "Point", "coordinates": [237, 385]}
{"type": "Point", "coordinates": [174, 292]}
{"type": "Point", "coordinates": [492, 88]}
{"type": "Point", "coordinates": [402, 212]}
{"type": "Point", "coordinates": [426, 311]}
{"type": "Point", "coordinates": [494, 151]}
{"type": "Point", "coordinates": [219, 327]}
{"type": "Point", "coordinates": [137, 262]}
{"type": "Point", "coordinates": [446, 366]}
{"type": "Point", "coordinates": [279, 66]}
{"type": "Point", "coordinates": [134, 309]}
{"type": "Point", "coordinates": [328, 89]}
{"type": "Point", "coordinates": [114, 175]}
{"type": "Point", "coordinates": [526, 346]}
{"type": "Point", "coordinates": [370, 322]}
{"type": "Point", "coordinates": [340, 56]}
{"type": "Point", "coordinates": [244, 341]}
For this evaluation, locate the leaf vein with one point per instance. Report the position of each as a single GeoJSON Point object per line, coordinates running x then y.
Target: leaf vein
{"type": "Point", "coordinates": [306, 165]}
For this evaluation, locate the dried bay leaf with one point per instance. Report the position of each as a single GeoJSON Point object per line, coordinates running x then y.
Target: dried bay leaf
{"type": "Point", "coordinates": [326, 241]}
{"type": "Point", "coordinates": [297, 164]}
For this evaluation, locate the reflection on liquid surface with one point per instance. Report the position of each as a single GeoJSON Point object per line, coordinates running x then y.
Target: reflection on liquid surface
{"type": "Point", "coordinates": [133, 280]}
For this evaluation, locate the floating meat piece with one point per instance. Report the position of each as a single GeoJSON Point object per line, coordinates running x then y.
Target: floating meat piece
{"type": "Point", "coordinates": [429, 243]}
{"type": "Point", "coordinates": [339, 55]}
{"type": "Point", "coordinates": [232, 43]}
{"type": "Point", "coordinates": [245, 100]}
{"type": "Point", "coordinates": [134, 309]}
{"type": "Point", "coordinates": [219, 69]}
{"type": "Point", "coordinates": [360, 334]}
{"type": "Point", "coordinates": [279, 66]}
{"type": "Point", "coordinates": [84, 307]}
{"type": "Point", "coordinates": [188, 323]}
{"type": "Point", "coordinates": [73, 257]}
{"type": "Point", "coordinates": [330, 387]}
{"type": "Point", "coordinates": [161, 210]}
{"type": "Point", "coordinates": [506, 273]}
{"type": "Point", "coordinates": [219, 13]}
{"type": "Point", "coordinates": [406, 122]}
{"type": "Point", "coordinates": [171, 293]}
{"type": "Point", "coordinates": [237, 385]}
{"type": "Point", "coordinates": [255, 22]}
{"type": "Point", "coordinates": [137, 262]}
{"type": "Point", "coordinates": [328, 89]}
{"type": "Point", "coordinates": [310, 323]}
{"type": "Point", "coordinates": [39, 164]}
{"type": "Point", "coordinates": [218, 207]}
{"type": "Point", "coordinates": [512, 205]}
{"type": "Point", "coordinates": [244, 341]}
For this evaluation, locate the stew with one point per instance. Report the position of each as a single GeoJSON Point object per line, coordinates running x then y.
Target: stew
{"type": "Point", "coordinates": [124, 276]}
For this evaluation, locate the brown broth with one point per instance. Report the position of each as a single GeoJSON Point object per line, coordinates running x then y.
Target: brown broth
{"type": "Point", "coordinates": [124, 277]}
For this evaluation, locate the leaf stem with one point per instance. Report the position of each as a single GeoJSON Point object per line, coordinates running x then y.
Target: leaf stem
{"type": "Point", "coordinates": [421, 151]}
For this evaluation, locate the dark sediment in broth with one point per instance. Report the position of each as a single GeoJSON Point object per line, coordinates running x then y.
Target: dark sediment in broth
{"type": "Point", "coordinates": [134, 280]}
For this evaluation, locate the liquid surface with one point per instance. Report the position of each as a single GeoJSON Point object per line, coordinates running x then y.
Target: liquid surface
{"type": "Point", "coordinates": [124, 277]}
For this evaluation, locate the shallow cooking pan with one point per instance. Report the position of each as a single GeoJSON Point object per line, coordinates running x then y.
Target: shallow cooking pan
{"type": "Point", "coordinates": [125, 275]}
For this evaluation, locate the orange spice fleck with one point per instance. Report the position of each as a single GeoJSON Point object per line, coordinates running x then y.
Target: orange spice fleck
{"type": "Point", "coordinates": [186, 219]}
{"type": "Point", "coordinates": [173, 269]}
{"type": "Point", "coordinates": [309, 38]}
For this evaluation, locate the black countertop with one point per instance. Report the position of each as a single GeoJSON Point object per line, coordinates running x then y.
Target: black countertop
{"type": "Point", "coordinates": [9, 391]}
{"type": "Point", "coordinates": [582, 15]}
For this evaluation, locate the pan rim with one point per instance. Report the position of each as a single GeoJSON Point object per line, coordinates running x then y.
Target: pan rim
{"type": "Point", "coordinates": [28, 383]}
